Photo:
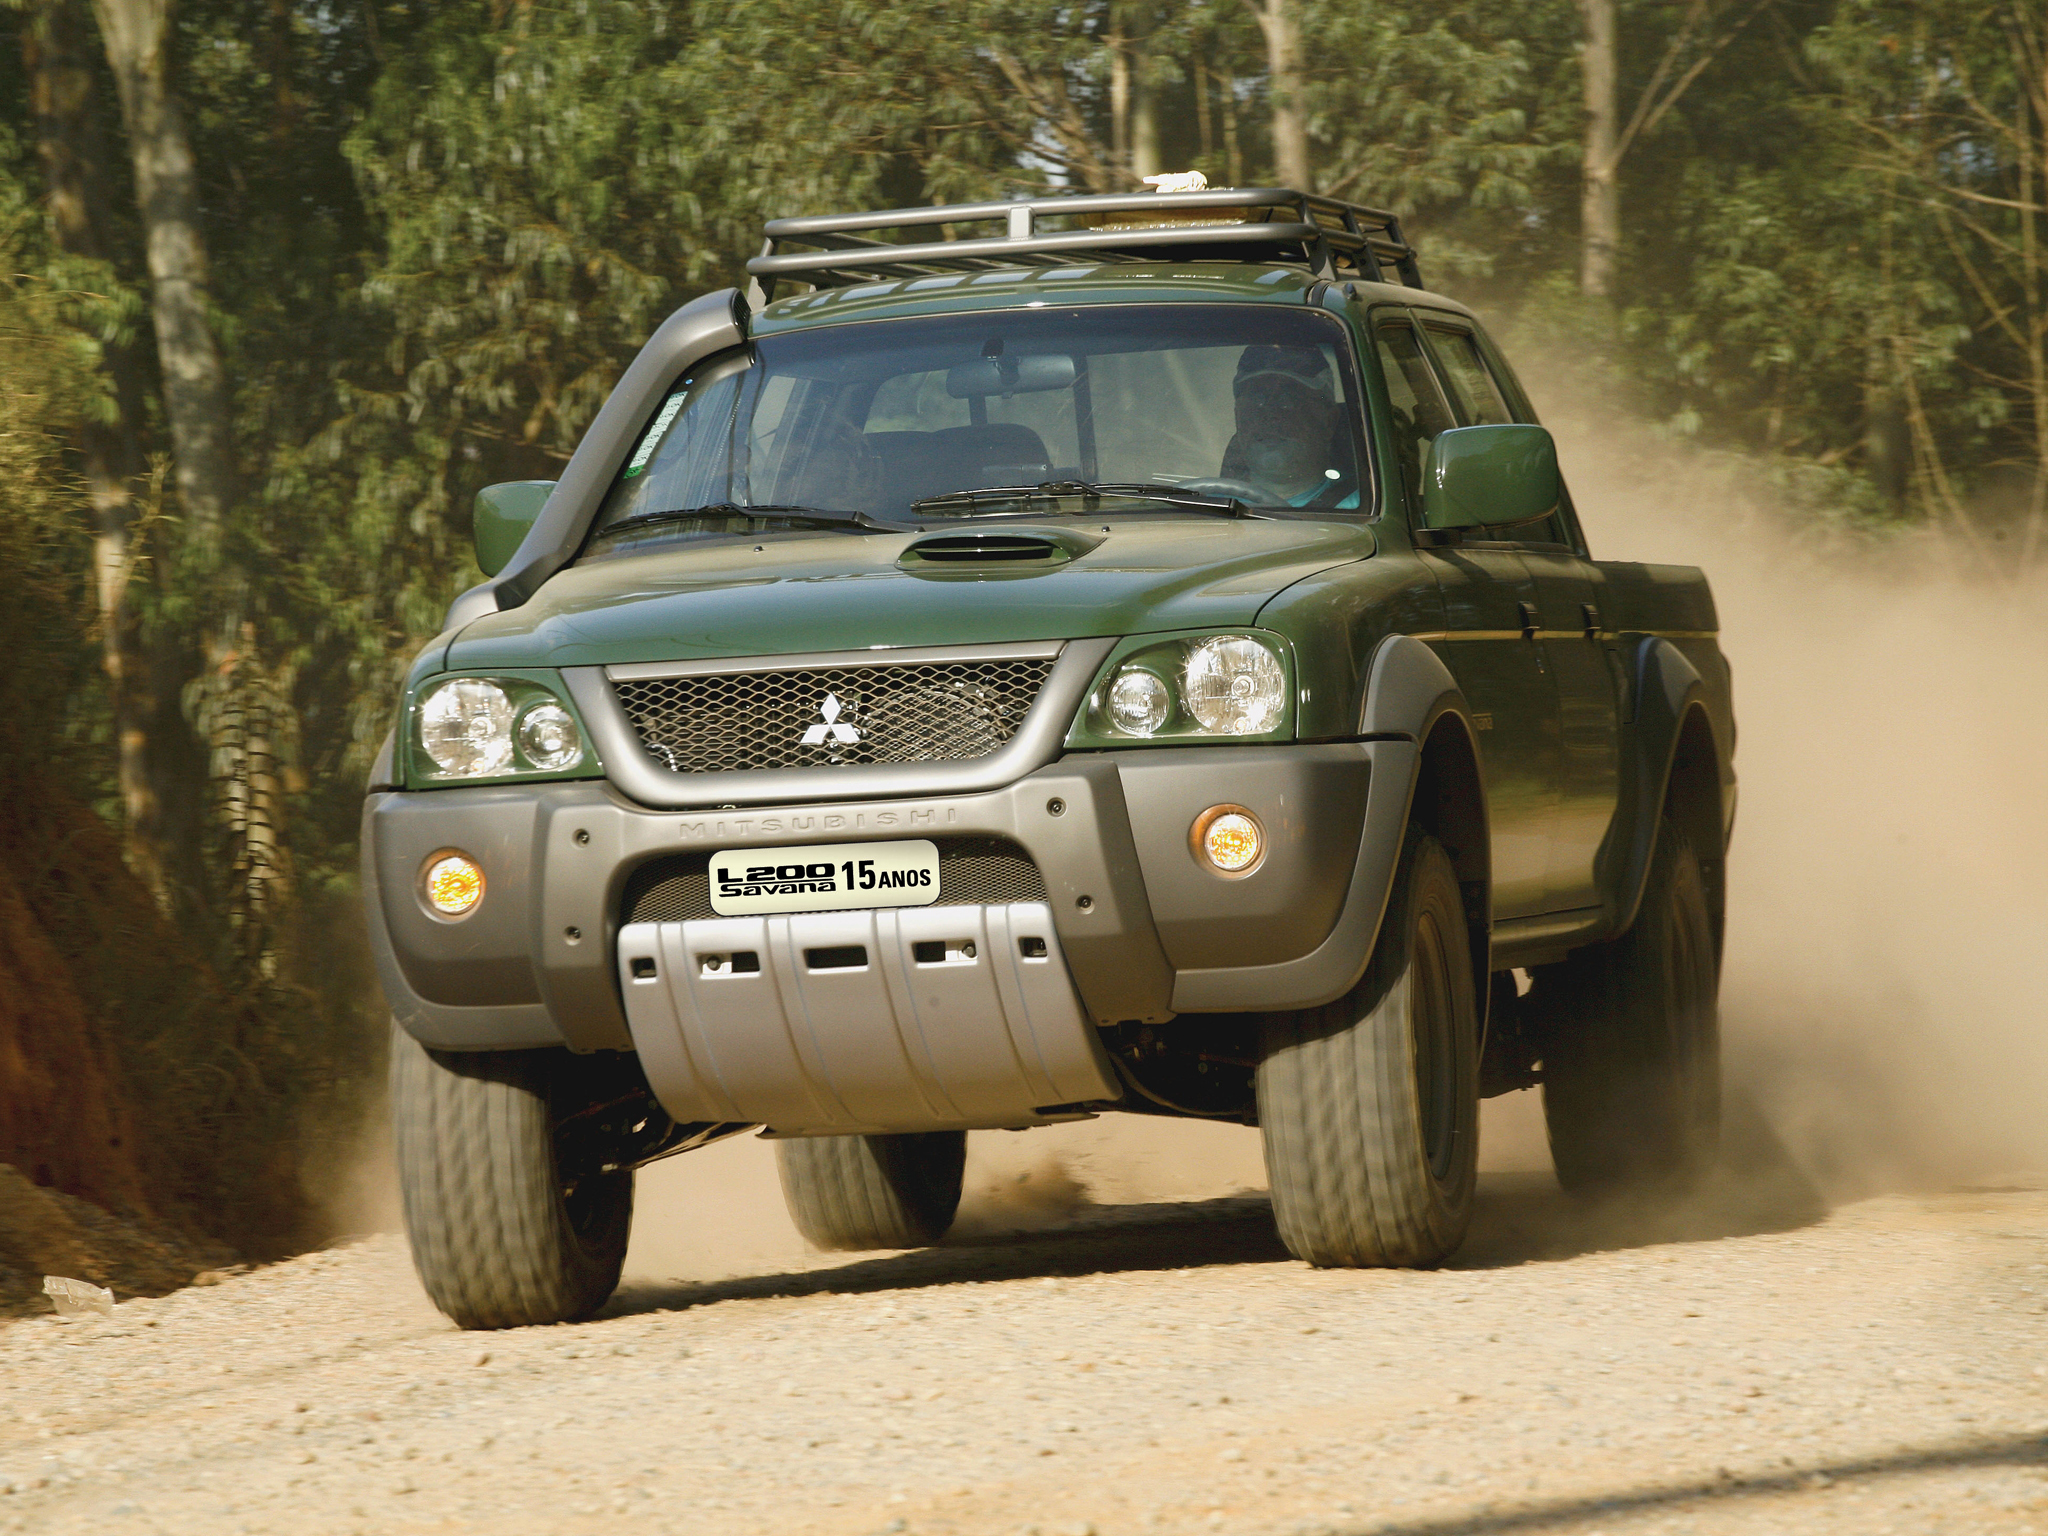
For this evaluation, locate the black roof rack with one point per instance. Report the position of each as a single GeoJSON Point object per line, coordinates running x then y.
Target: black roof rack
{"type": "Point", "coordinates": [1332, 239]}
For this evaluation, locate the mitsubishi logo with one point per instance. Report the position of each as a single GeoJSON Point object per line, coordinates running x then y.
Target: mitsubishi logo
{"type": "Point", "coordinates": [830, 730]}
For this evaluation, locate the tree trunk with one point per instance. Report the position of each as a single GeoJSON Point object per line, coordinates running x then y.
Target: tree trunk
{"type": "Point", "coordinates": [1279, 22]}
{"type": "Point", "coordinates": [73, 152]}
{"type": "Point", "coordinates": [1233, 158]}
{"type": "Point", "coordinates": [1141, 24]}
{"type": "Point", "coordinates": [2030, 66]}
{"type": "Point", "coordinates": [1119, 92]}
{"type": "Point", "coordinates": [137, 38]}
{"type": "Point", "coordinates": [1600, 196]}
{"type": "Point", "coordinates": [1887, 442]}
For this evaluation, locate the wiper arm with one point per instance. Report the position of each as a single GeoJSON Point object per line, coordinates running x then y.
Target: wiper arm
{"type": "Point", "coordinates": [799, 517]}
{"type": "Point", "coordinates": [1194, 501]}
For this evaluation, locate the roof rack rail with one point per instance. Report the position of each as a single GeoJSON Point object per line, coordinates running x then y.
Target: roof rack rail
{"type": "Point", "coordinates": [1333, 239]}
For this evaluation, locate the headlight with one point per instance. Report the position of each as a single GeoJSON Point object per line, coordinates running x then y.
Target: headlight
{"type": "Point", "coordinates": [505, 726]}
{"type": "Point", "coordinates": [1235, 686]}
{"type": "Point", "coordinates": [1188, 688]}
{"type": "Point", "coordinates": [466, 727]}
{"type": "Point", "coordinates": [1139, 701]}
{"type": "Point", "coordinates": [549, 738]}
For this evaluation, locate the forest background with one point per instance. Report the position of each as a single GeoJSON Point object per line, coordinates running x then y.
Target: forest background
{"type": "Point", "coordinates": [283, 283]}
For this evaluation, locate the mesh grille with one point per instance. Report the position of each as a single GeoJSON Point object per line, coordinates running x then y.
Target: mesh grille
{"type": "Point", "coordinates": [832, 716]}
{"type": "Point", "coordinates": [981, 871]}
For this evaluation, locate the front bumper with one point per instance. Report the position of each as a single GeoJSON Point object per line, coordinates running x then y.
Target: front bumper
{"type": "Point", "coordinates": [1145, 930]}
{"type": "Point", "coordinates": [829, 1023]}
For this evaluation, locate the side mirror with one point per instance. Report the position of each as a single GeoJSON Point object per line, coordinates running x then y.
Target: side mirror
{"type": "Point", "coordinates": [503, 514]}
{"type": "Point", "coordinates": [1489, 477]}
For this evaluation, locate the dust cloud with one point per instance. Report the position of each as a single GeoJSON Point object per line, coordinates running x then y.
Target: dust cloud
{"type": "Point", "coordinates": [1882, 998]}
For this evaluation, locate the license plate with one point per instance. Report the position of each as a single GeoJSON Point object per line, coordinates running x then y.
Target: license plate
{"type": "Point", "coordinates": [746, 882]}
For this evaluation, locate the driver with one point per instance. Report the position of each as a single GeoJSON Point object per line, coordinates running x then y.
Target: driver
{"type": "Point", "coordinates": [1287, 416]}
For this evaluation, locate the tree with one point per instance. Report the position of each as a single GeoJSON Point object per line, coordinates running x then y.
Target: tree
{"type": "Point", "coordinates": [73, 152]}
{"type": "Point", "coordinates": [137, 38]}
{"type": "Point", "coordinates": [1949, 104]}
{"type": "Point", "coordinates": [1707, 28]}
{"type": "Point", "coordinates": [1425, 110]}
{"type": "Point", "coordinates": [1600, 203]}
{"type": "Point", "coordinates": [1280, 22]}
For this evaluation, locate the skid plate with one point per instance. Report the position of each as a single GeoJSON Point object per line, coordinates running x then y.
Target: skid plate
{"type": "Point", "coordinates": [920, 1018]}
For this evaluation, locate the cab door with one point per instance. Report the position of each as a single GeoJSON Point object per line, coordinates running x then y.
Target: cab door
{"type": "Point", "coordinates": [1572, 627]}
{"type": "Point", "coordinates": [1491, 640]}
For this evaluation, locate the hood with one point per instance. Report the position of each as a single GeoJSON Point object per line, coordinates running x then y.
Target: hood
{"type": "Point", "coordinates": [806, 592]}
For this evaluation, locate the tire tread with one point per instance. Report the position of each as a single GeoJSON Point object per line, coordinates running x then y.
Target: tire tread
{"type": "Point", "coordinates": [848, 1193]}
{"type": "Point", "coordinates": [491, 1238]}
{"type": "Point", "coordinates": [1344, 1160]}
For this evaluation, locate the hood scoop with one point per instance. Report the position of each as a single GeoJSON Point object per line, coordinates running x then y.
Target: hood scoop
{"type": "Point", "coordinates": [1017, 549]}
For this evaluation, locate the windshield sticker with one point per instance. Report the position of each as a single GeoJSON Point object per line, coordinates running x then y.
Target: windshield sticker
{"type": "Point", "coordinates": [652, 440]}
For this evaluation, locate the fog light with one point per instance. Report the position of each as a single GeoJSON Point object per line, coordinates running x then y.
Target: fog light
{"type": "Point", "coordinates": [452, 884]}
{"type": "Point", "coordinates": [1229, 839]}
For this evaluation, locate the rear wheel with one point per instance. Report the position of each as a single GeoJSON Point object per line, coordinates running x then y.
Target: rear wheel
{"type": "Point", "coordinates": [1369, 1106]}
{"type": "Point", "coordinates": [1631, 1042]}
{"type": "Point", "coordinates": [853, 1192]}
{"type": "Point", "coordinates": [503, 1233]}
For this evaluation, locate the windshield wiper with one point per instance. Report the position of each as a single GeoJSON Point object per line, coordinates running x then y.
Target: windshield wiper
{"type": "Point", "coordinates": [1194, 501]}
{"type": "Point", "coordinates": [796, 517]}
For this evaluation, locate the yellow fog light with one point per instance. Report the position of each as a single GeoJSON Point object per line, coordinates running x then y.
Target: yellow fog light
{"type": "Point", "coordinates": [1229, 839]}
{"type": "Point", "coordinates": [452, 884]}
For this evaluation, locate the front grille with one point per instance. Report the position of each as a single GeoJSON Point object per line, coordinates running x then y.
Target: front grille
{"type": "Point", "coordinates": [973, 871]}
{"type": "Point", "coordinates": [821, 717]}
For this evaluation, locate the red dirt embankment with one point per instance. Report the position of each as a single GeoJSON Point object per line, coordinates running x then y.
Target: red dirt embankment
{"type": "Point", "coordinates": [87, 968]}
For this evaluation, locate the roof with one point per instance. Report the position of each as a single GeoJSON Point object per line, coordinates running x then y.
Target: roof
{"type": "Point", "coordinates": [1324, 237]}
{"type": "Point", "coordinates": [1017, 288]}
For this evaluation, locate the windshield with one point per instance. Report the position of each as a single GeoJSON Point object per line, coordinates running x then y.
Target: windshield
{"type": "Point", "coordinates": [892, 420]}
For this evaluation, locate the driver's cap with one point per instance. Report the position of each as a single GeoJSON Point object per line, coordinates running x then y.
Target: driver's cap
{"type": "Point", "coordinates": [1303, 366]}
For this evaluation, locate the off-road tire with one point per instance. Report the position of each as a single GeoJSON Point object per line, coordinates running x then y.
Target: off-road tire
{"type": "Point", "coordinates": [847, 1193]}
{"type": "Point", "coordinates": [1631, 1042]}
{"type": "Point", "coordinates": [1369, 1106]}
{"type": "Point", "coordinates": [501, 1236]}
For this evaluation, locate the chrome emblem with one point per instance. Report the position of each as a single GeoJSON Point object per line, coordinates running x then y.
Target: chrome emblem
{"type": "Point", "coordinates": [829, 729]}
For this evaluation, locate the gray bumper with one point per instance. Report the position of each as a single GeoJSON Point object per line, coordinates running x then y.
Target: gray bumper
{"type": "Point", "coordinates": [1146, 932]}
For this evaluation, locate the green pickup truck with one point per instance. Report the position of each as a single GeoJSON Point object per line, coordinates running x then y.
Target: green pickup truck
{"type": "Point", "coordinates": [1022, 660]}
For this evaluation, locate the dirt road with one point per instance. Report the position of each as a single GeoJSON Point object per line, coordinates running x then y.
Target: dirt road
{"type": "Point", "coordinates": [1757, 1363]}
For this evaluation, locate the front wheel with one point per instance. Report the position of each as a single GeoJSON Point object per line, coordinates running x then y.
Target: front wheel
{"type": "Point", "coordinates": [1369, 1106]}
{"type": "Point", "coordinates": [504, 1233]}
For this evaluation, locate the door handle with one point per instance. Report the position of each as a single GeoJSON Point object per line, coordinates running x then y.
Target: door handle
{"type": "Point", "coordinates": [1591, 615]}
{"type": "Point", "coordinates": [1532, 621]}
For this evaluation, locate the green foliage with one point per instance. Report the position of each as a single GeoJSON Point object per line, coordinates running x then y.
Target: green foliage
{"type": "Point", "coordinates": [1427, 112]}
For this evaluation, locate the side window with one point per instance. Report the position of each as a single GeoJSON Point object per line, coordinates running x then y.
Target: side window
{"type": "Point", "coordinates": [1479, 399]}
{"type": "Point", "coordinates": [1420, 411]}
{"type": "Point", "coordinates": [1481, 402]}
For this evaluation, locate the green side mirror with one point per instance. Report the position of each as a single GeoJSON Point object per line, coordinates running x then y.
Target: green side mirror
{"type": "Point", "coordinates": [1489, 477]}
{"type": "Point", "coordinates": [503, 514]}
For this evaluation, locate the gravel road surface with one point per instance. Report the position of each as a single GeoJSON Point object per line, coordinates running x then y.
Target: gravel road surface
{"type": "Point", "coordinates": [1755, 1363]}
